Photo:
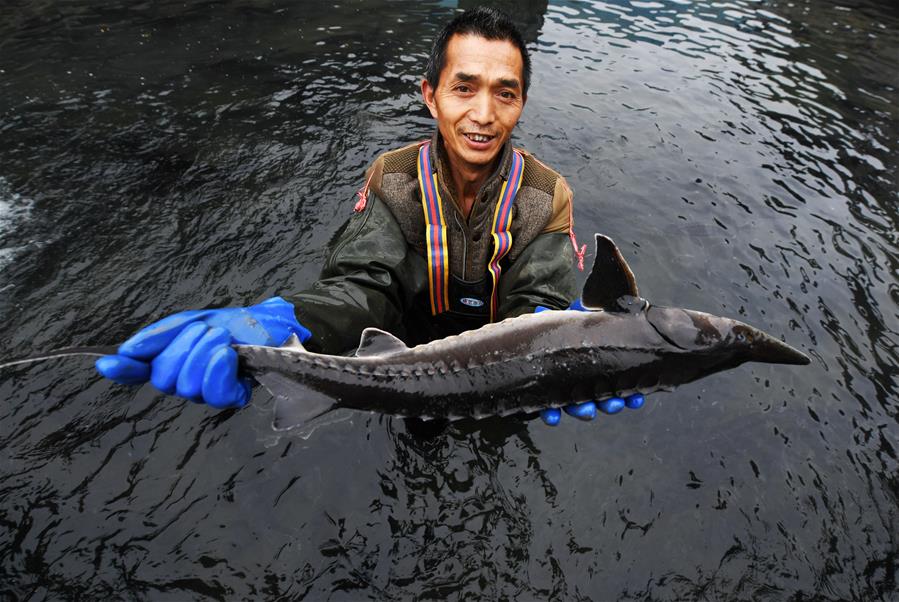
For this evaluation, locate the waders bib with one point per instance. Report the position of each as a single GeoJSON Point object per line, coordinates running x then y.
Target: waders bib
{"type": "Point", "coordinates": [448, 293]}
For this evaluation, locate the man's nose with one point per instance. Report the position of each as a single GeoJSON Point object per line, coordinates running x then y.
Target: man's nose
{"type": "Point", "coordinates": [482, 110]}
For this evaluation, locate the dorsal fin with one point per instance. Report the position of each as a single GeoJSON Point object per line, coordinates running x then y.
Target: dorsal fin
{"type": "Point", "coordinates": [375, 341]}
{"type": "Point", "coordinates": [610, 279]}
{"type": "Point", "coordinates": [293, 342]}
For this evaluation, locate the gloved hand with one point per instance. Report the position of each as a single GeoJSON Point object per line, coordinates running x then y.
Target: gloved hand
{"type": "Point", "coordinates": [587, 409]}
{"type": "Point", "coordinates": [189, 353]}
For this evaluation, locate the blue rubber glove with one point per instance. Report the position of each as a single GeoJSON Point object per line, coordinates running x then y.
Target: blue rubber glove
{"type": "Point", "coordinates": [587, 409]}
{"type": "Point", "coordinates": [189, 353]}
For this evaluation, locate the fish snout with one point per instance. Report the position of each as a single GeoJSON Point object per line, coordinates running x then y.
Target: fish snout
{"type": "Point", "coordinates": [769, 350]}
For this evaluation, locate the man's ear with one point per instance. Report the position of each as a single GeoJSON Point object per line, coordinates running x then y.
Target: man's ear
{"type": "Point", "coordinates": [427, 93]}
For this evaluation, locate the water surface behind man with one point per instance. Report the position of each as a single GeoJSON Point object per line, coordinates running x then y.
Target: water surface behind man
{"type": "Point", "coordinates": [169, 155]}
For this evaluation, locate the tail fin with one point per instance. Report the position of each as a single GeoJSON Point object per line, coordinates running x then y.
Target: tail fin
{"type": "Point", "coordinates": [295, 403]}
{"type": "Point", "coordinates": [69, 351]}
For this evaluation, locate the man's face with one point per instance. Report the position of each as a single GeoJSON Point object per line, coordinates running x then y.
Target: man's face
{"type": "Point", "coordinates": [478, 99]}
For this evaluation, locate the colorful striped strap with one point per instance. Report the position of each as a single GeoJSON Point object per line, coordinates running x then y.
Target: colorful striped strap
{"type": "Point", "coordinates": [502, 223]}
{"type": "Point", "coordinates": [435, 230]}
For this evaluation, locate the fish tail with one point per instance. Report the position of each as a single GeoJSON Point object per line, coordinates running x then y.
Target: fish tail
{"type": "Point", "coordinates": [67, 352]}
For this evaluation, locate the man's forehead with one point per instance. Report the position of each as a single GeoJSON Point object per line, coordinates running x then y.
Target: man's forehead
{"type": "Point", "coordinates": [477, 56]}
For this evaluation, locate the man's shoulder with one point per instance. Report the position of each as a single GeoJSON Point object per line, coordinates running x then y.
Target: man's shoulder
{"type": "Point", "coordinates": [546, 193]}
{"type": "Point", "coordinates": [397, 161]}
{"type": "Point", "coordinates": [393, 178]}
{"type": "Point", "coordinates": [401, 160]}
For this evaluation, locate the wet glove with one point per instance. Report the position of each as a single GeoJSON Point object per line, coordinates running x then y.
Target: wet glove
{"type": "Point", "coordinates": [189, 353]}
{"type": "Point", "coordinates": [587, 409]}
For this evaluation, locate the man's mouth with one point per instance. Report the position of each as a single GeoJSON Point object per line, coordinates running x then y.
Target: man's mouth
{"type": "Point", "coordinates": [479, 138]}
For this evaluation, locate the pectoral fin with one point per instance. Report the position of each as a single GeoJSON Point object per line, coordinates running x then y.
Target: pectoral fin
{"type": "Point", "coordinates": [295, 403]}
{"type": "Point", "coordinates": [610, 279]}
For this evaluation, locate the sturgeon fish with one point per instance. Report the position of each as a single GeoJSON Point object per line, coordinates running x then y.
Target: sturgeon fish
{"type": "Point", "coordinates": [622, 345]}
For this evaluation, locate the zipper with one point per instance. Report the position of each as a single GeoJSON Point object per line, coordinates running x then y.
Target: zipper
{"type": "Point", "coordinates": [463, 227]}
{"type": "Point", "coordinates": [464, 243]}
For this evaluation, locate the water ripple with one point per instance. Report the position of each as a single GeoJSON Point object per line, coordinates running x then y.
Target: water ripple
{"type": "Point", "coordinates": [158, 156]}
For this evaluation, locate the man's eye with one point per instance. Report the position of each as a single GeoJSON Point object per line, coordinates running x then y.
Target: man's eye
{"type": "Point", "coordinates": [508, 95]}
{"type": "Point", "coordinates": [463, 89]}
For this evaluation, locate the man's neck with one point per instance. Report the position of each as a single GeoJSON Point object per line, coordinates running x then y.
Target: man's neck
{"type": "Point", "coordinates": [468, 180]}
{"type": "Point", "coordinates": [467, 183]}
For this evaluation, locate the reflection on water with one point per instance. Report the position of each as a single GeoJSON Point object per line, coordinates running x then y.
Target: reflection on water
{"type": "Point", "coordinates": [13, 211]}
{"type": "Point", "coordinates": [169, 155]}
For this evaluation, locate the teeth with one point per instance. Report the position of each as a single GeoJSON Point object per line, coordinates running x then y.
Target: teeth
{"type": "Point", "coordinates": [479, 138]}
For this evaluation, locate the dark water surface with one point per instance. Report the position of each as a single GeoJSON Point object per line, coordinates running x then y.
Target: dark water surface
{"type": "Point", "coordinates": [157, 156]}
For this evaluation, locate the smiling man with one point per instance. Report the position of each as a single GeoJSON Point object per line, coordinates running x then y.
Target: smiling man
{"type": "Point", "coordinates": [458, 230]}
{"type": "Point", "coordinates": [448, 234]}
{"type": "Point", "coordinates": [476, 96]}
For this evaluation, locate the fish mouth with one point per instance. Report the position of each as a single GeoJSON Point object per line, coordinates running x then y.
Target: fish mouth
{"type": "Point", "coordinates": [773, 351]}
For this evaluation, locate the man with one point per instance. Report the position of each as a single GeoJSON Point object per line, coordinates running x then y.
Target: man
{"type": "Point", "coordinates": [448, 235]}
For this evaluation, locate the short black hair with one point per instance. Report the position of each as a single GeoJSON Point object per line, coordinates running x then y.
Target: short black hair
{"type": "Point", "coordinates": [489, 23]}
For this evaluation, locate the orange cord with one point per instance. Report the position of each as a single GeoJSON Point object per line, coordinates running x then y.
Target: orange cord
{"type": "Point", "coordinates": [573, 238]}
{"type": "Point", "coordinates": [362, 193]}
